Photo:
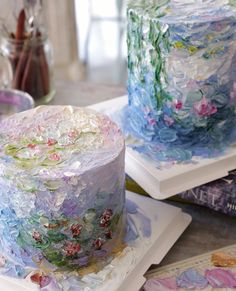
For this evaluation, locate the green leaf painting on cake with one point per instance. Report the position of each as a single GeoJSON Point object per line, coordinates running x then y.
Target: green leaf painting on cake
{"type": "Point", "coordinates": [67, 242]}
{"type": "Point", "coordinates": [49, 152]}
{"type": "Point", "coordinates": [181, 77]}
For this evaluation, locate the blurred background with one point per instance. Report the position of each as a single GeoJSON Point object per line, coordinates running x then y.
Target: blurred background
{"type": "Point", "coordinates": [88, 37]}
{"type": "Point", "coordinates": [101, 26]}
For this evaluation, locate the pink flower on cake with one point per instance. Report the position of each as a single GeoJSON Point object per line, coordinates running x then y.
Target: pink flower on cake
{"type": "Point", "coordinates": [152, 121]}
{"type": "Point", "coordinates": [36, 278]}
{"type": "Point", "coordinates": [72, 249]}
{"type": "Point", "coordinates": [107, 214]}
{"type": "Point", "coordinates": [55, 157]}
{"type": "Point", "coordinates": [178, 104]}
{"type": "Point", "coordinates": [76, 229]}
{"type": "Point", "coordinates": [31, 146]}
{"type": "Point", "coordinates": [73, 134]}
{"type": "Point", "coordinates": [98, 243]}
{"type": "Point", "coordinates": [106, 217]}
{"type": "Point", "coordinates": [37, 236]}
{"type": "Point", "coordinates": [51, 142]}
{"type": "Point", "coordinates": [40, 279]}
{"type": "Point", "coordinates": [103, 222]}
{"type": "Point", "coordinates": [204, 108]}
{"type": "Point", "coordinates": [168, 120]}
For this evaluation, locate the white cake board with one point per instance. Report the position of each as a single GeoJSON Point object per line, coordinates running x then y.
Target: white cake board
{"type": "Point", "coordinates": [166, 182]}
{"type": "Point", "coordinates": [167, 224]}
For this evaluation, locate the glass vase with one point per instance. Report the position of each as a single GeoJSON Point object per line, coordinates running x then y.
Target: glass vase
{"type": "Point", "coordinates": [31, 64]}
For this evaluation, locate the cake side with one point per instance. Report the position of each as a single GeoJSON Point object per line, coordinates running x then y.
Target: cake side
{"type": "Point", "coordinates": [181, 74]}
{"type": "Point", "coordinates": [69, 214]}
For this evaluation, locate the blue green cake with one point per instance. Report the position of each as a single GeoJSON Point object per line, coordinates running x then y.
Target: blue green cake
{"type": "Point", "coordinates": [181, 76]}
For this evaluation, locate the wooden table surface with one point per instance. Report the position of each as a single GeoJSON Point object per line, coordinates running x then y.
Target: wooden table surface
{"type": "Point", "coordinates": [208, 231]}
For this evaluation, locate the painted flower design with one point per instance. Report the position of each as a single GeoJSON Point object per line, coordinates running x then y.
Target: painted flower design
{"type": "Point", "coordinates": [108, 234]}
{"type": "Point", "coordinates": [76, 229]}
{"type": "Point", "coordinates": [72, 249]}
{"type": "Point", "coordinates": [178, 105]}
{"type": "Point", "coordinates": [98, 243]}
{"type": "Point", "coordinates": [73, 134]}
{"type": "Point", "coordinates": [40, 279]}
{"type": "Point", "coordinates": [31, 146]}
{"type": "Point", "coordinates": [204, 108]}
{"type": "Point", "coordinates": [106, 217]}
{"type": "Point", "coordinates": [151, 121]}
{"type": "Point", "coordinates": [55, 157]}
{"type": "Point", "coordinates": [51, 142]}
{"type": "Point", "coordinates": [37, 236]}
{"type": "Point", "coordinates": [168, 120]}
{"type": "Point", "coordinates": [107, 214]}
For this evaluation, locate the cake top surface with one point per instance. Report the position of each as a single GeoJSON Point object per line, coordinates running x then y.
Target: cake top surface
{"type": "Point", "coordinates": [57, 141]}
{"type": "Point", "coordinates": [184, 10]}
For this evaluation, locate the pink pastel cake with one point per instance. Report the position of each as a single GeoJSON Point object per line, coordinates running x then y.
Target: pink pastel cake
{"type": "Point", "coordinates": [62, 189]}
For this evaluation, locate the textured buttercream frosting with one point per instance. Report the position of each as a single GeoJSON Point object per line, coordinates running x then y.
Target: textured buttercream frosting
{"type": "Point", "coordinates": [44, 137]}
{"type": "Point", "coordinates": [62, 187]}
{"type": "Point", "coordinates": [181, 65]}
{"type": "Point", "coordinates": [184, 10]}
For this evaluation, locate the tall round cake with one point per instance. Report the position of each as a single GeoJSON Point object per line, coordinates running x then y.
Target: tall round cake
{"type": "Point", "coordinates": [62, 188]}
{"type": "Point", "coordinates": [182, 73]}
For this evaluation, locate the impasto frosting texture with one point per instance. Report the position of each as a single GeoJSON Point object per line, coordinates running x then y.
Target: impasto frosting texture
{"type": "Point", "coordinates": [62, 187]}
{"type": "Point", "coordinates": [181, 66]}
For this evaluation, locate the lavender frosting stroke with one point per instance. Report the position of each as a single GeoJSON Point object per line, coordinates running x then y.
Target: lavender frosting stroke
{"type": "Point", "coordinates": [62, 189]}
{"type": "Point", "coordinates": [181, 76]}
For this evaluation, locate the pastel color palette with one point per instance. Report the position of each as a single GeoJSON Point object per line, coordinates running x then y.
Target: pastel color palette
{"type": "Point", "coordinates": [62, 189]}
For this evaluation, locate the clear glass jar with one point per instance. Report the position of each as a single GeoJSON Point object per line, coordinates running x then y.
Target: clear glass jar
{"type": "Point", "coordinates": [32, 66]}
